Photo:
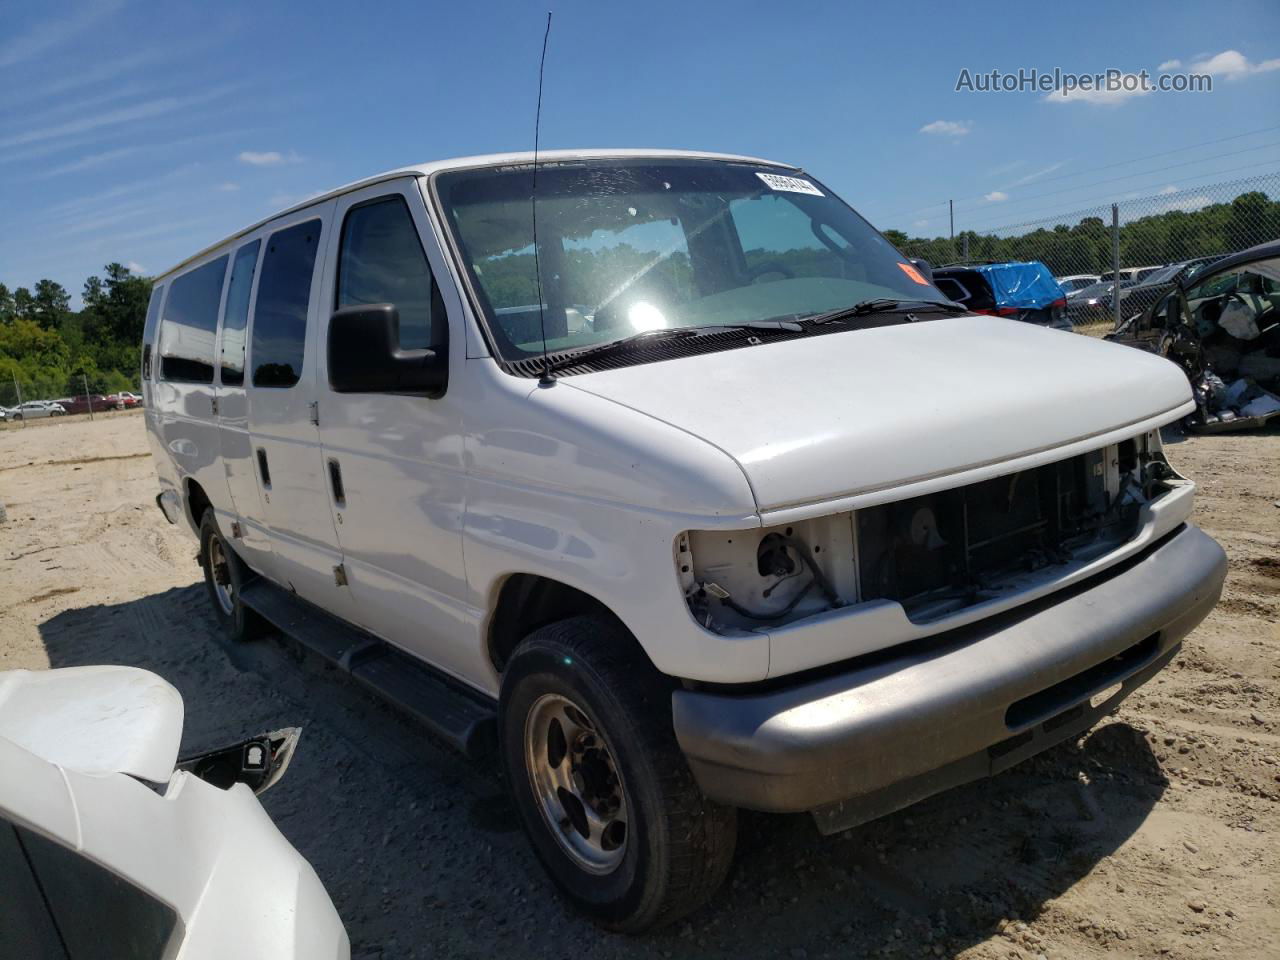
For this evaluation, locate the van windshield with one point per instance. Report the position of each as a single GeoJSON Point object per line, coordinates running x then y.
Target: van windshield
{"type": "Point", "coordinates": [627, 246]}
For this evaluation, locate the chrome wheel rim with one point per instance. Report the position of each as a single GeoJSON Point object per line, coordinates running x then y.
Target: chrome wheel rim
{"type": "Point", "coordinates": [220, 574]}
{"type": "Point", "coordinates": [576, 784]}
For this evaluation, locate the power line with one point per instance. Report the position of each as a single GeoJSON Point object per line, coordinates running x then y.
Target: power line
{"type": "Point", "coordinates": [1143, 173]}
{"type": "Point", "coordinates": [1108, 166]}
{"type": "Point", "coordinates": [1084, 206]}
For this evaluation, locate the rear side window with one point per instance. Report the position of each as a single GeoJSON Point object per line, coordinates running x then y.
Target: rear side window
{"type": "Point", "coordinates": [190, 320]}
{"type": "Point", "coordinates": [280, 314]}
{"type": "Point", "coordinates": [382, 261]}
{"type": "Point", "coordinates": [149, 329]}
{"type": "Point", "coordinates": [235, 315]}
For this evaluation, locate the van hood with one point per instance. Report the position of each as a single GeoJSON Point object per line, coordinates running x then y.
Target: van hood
{"type": "Point", "coordinates": [837, 415]}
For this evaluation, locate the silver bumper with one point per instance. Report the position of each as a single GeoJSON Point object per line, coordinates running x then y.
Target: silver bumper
{"type": "Point", "coordinates": [904, 724]}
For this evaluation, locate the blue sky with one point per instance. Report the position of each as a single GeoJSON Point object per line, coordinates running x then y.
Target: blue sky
{"type": "Point", "coordinates": [140, 132]}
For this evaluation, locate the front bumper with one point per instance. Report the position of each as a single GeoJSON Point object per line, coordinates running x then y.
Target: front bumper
{"type": "Point", "coordinates": [907, 723]}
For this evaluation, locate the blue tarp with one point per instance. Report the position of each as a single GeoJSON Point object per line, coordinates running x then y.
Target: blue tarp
{"type": "Point", "coordinates": [1020, 284]}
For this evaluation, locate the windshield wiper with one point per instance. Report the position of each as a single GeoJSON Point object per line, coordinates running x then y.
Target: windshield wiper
{"type": "Point", "coordinates": [645, 337]}
{"type": "Point", "coordinates": [880, 305]}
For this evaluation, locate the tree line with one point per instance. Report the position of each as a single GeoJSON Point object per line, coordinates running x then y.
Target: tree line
{"type": "Point", "coordinates": [52, 350]}
{"type": "Point", "coordinates": [1166, 237]}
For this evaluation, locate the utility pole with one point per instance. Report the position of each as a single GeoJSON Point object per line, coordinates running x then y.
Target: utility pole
{"type": "Point", "coordinates": [951, 210]}
{"type": "Point", "coordinates": [18, 389]}
{"type": "Point", "coordinates": [87, 399]}
{"type": "Point", "coordinates": [1115, 263]}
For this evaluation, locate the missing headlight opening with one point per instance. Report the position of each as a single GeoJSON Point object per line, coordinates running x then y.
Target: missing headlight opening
{"type": "Point", "coordinates": [934, 554]}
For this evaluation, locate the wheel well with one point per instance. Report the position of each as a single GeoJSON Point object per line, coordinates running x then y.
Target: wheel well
{"type": "Point", "coordinates": [527, 602]}
{"type": "Point", "coordinates": [197, 502]}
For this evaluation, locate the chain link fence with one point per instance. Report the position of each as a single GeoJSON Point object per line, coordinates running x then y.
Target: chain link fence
{"type": "Point", "coordinates": [1136, 239]}
{"type": "Point", "coordinates": [78, 393]}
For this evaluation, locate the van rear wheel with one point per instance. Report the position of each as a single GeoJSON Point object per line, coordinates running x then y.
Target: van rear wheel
{"type": "Point", "coordinates": [224, 576]}
{"type": "Point", "coordinates": [603, 790]}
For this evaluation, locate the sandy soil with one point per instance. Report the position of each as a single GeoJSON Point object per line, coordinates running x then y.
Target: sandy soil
{"type": "Point", "coordinates": [1153, 836]}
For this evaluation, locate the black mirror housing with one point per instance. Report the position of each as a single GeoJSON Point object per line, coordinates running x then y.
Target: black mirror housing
{"type": "Point", "coordinates": [365, 355]}
{"type": "Point", "coordinates": [925, 267]}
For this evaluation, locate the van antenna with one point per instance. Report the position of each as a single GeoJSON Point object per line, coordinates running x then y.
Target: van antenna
{"type": "Point", "coordinates": [546, 379]}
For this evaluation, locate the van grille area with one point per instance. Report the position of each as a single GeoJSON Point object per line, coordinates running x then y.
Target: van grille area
{"type": "Point", "coordinates": [945, 551]}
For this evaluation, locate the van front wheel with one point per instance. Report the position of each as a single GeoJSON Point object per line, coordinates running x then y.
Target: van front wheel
{"type": "Point", "coordinates": [604, 792]}
{"type": "Point", "coordinates": [224, 576]}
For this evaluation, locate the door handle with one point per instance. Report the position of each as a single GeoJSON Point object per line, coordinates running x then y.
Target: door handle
{"type": "Point", "coordinates": [335, 482]}
{"type": "Point", "coordinates": [264, 472]}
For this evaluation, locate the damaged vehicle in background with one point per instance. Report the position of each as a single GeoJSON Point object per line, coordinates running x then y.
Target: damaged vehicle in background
{"type": "Point", "coordinates": [1221, 325]}
{"type": "Point", "coordinates": [1153, 287]}
{"type": "Point", "coordinates": [112, 846]}
{"type": "Point", "coordinates": [1023, 291]}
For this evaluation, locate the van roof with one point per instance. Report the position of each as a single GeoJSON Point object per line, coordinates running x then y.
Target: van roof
{"type": "Point", "coordinates": [457, 163]}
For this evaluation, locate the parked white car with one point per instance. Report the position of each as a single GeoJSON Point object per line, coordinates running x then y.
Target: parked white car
{"type": "Point", "coordinates": [707, 499]}
{"type": "Point", "coordinates": [36, 409]}
{"type": "Point", "coordinates": [1076, 282]}
{"type": "Point", "coordinates": [107, 850]}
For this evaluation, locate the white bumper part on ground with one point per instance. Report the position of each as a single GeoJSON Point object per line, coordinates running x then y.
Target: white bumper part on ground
{"type": "Point", "coordinates": [213, 856]}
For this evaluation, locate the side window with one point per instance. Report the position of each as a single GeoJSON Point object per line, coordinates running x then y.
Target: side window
{"type": "Point", "coordinates": [235, 316]}
{"type": "Point", "coordinates": [190, 320]}
{"type": "Point", "coordinates": [149, 329]}
{"type": "Point", "coordinates": [280, 314]}
{"type": "Point", "coordinates": [382, 261]}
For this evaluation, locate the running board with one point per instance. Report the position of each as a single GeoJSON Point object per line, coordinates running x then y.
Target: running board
{"type": "Point", "coordinates": [449, 710]}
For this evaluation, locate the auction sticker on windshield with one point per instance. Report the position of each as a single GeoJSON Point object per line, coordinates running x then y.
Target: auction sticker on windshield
{"type": "Point", "coordinates": [789, 184]}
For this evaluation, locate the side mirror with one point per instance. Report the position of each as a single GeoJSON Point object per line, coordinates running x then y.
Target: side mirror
{"type": "Point", "coordinates": [924, 267]}
{"type": "Point", "coordinates": [365, 355]}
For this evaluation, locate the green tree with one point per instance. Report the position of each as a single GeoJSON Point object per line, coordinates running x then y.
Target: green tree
{"type": "Point", "coordinates": [22, 302]}
{"type": "Point", "coordinates": [50, 305]}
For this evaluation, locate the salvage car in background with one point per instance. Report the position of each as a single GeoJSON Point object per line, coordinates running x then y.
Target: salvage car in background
{"type": "Point", "coordinates": [1076, 282]}
{"type": "Point", "coordinates": [36, 410]}
{"type": "Point", "coordinates": [1019, 290]}
{"type": "Point", "coordinates": [85, 403]}
{"type": "Point", "coordinates": [1092, 305]}
{"type": "Point", "coordinates": [112, 847]}
{"type": "Point", "coordinates": [1150, 289]}
{"type": "Point", "coordinates": [1222, 326]}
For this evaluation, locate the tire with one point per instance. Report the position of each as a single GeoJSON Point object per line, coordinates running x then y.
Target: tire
{"type": "Point", "coordinates": [17, 418]}
{"type": "Point", "coordinates": [613, 709]}
{"type": "Point", "coordinates": [224, 576]}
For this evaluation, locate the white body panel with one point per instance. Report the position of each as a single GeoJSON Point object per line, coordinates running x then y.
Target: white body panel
{"type": "Point", "coordinates": [214, 856]}
{"type": "Point", "coordinates": [590, 482]}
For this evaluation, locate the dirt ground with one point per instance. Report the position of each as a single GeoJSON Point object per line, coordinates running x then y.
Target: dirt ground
{"type": "Point", "coordinates": [1154, 836]}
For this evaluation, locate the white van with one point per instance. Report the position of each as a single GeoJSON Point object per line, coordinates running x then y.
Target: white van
{"type": "Point", "coordinates": [678, 483]}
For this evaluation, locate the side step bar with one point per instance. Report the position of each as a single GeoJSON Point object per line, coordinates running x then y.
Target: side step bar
{"type": "Point", "coordinates": [459, 716]}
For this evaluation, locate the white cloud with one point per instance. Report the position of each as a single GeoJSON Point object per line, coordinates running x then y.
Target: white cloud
{"type": "Point", "coordinates": [1186, 204]}
{"type": "Point", "coordinates": [135, 267]}
{"type": "Point", "coordinates": [1232, 64]}
{"type": "Point", "coordinates": [285, 200]}
{"type": "Point", "coordinates": [1128, 86]}
{"type": "Point", "coordinates": [45, 36]}
{"type": "Point", "coordinates": [95, 121]}
{"type": "Point", "coordinates": [85, 163]}
{"type": "Point", "coordinates": [920, 223]}
{"type": "Point", "coordinates": [1165, 191]}
{"type": "Point", "coordinates": [267, 158]}
{"type": "Point", "coordinates": [1173, 64]}
{"type": "Point", "coordinates": [996, 196]}
{"type": "Point", "coordinates": [948, 128]}
{"type": "Point", "coordinates": [228, 187]}
{"type": "Point", "coordinates": [1040, 173]}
